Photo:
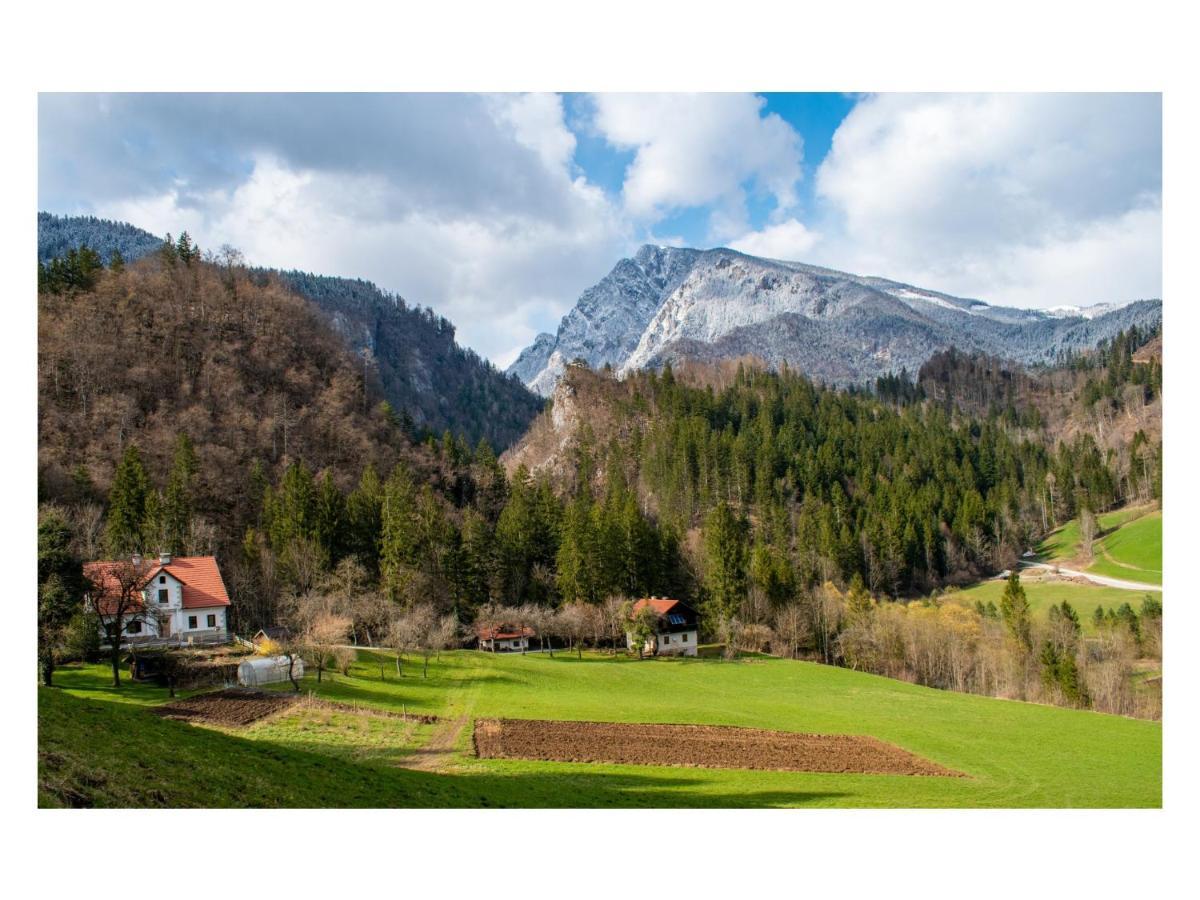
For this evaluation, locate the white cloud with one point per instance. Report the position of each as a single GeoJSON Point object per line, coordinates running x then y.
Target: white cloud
{"type": "Point", "coordinates": [1030, 199]}
{"type": "Point", "coordinates": [470, 205]}
{"type": "Point", "coordinates": [701, 149]}
{"type": "Point", "coordinates": [788, 240]}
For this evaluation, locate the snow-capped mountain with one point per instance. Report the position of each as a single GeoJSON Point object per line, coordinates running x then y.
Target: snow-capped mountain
{"type": "Point", "coordinates": [609, 318]}
{"type": "Point", "coordinates": [669, 303]}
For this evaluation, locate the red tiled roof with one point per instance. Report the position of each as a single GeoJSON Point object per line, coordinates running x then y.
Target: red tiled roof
{"type": "Point", "coordinates": [201, 578]}
{"type": "Point", "coordinates": [502, 633]}
{"type": "Point", "coordinates": [661, 605]}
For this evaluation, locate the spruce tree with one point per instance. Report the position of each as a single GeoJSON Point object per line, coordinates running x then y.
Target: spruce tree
{"type": "Point", "coordinates": [726, 556]}
{"type": "Point", "coordinates": [127, 505]}
{"type": "Point", "coordinates": [1014, 608]}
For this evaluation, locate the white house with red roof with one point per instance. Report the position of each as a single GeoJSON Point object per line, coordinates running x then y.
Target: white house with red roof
{"type": "Point", "coordinates": [182, 598]}
{"type": "Point", "coordinates": [678, 629]}
{"type": "Point", "coordinates": [504, 637]}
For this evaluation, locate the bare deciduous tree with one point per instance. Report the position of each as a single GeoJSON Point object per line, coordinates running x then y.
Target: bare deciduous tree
{"type": "Point", "coordinates": [115, 598]}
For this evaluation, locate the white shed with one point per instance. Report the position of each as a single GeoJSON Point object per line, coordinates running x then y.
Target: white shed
{"type": "Point", "coordinates": [268, 670]}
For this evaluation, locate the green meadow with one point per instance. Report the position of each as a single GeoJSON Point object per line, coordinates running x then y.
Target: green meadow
{"type": "Point", "coordinates": [1129, 546]}
{"type": "Point", "coordinates": [1044, 594]}
{"type": "Point", "coordinates": [104, 748]}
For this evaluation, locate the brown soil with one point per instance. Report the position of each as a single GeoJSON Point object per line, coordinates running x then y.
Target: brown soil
{"type": "Point", "coordinates": [706, 746]}
{"type": "Point", "coordinates": [228, 707]}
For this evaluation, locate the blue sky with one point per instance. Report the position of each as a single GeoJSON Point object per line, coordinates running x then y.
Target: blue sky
{"type": "Point", "coordinates": [498, 210]}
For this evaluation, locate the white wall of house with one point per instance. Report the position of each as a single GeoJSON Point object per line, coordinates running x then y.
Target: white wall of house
{"type": "Point", "coordinates": [507, 644]}
{"type": "Point", "coordinates": [682, 642]}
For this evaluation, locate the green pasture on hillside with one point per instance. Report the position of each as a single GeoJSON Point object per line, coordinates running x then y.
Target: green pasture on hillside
{"type": "Point", "coordinates": [99, 752]}
{"type": "Point", "coordinates": [1044, 594]}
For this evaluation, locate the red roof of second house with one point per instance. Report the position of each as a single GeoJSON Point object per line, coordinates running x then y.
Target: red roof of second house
{"type": "Point", "coordinates": [502, 632]}
{"type": "Point", "coordinates": [661, 605]}
{"type": "Point", "coordinates": [200, 576]}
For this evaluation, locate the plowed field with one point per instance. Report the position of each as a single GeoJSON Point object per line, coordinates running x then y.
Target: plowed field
{"type": "Point", "coordinates": [228, 707]}
{"type": "Point", "coordinates": [706, 746]}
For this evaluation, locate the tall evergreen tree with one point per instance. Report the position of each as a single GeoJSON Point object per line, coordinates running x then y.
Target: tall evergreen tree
{"type": "Point", "coordinates": [1014, 609]}
{"type": "Point", "coordinates": [127, 505]}
{"type": "Point", "coordinates": [726, 556]}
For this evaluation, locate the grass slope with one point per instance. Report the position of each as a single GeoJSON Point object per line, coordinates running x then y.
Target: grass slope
{"type": "Point", "coordinates": [1044, 594]}
{"type": "Point", "coordinates": [1131, 546]}
{"type": "Point", "coordinates": [1016, 754]}
{"type": "Point", "coordinates": [1133, 551]}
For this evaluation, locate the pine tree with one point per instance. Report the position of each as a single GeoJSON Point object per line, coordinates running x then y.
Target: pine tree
{"type": "Point", "coordinates": [127, 505]}
{"type": "Point", "coordinates": [726, 557]}
{"type": "Point", "coordinates": [1014, 608]}
{"type": "Point", "coordinates": [364, 510]}
{"type": "Point", "coordinates": [60, 588]}
{"type": "Point", "coordinates": [398, 531]}
{"type": "Point", "coordinates": [330, 525]}
{"type": "Point", "coordinates": [177, 500]}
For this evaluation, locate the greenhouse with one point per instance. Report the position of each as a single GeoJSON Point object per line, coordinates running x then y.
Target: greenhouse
{"type": "Point", "coordinates": [268, 670]}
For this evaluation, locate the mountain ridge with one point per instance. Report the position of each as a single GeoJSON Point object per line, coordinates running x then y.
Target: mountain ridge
{"type": "Point", "coordinates": [721, 304]}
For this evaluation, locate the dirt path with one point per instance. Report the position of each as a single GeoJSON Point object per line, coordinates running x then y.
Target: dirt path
{"type": "Point", "coordinates": [1096, 579]}
{"type": "Point", "coordinates": [439, 751]}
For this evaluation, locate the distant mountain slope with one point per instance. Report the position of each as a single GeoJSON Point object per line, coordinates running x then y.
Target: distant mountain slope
{"type": "Point", "coordinates": [421, 369]}
{"type": "Point", "coordinates": [58, 234]}
{"type": "Point", "coordinates": [721, 304]}
{"type": "Point", "coordinates": [608, 320]}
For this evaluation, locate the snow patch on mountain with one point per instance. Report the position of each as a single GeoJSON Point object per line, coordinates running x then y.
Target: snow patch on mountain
{"type": "Point", "coordinates": [673, 303]}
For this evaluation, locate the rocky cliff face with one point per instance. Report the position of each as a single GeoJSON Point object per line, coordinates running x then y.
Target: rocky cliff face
{"type": "Point", "coordinates": [670, 304]}
{"type": "Point", "coordinates": [607, 322]}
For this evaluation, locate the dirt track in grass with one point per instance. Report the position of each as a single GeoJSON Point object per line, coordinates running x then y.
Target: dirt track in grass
{"type": "Point", "coordinates": [705, 746]}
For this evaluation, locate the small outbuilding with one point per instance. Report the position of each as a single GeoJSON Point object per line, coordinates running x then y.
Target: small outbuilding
{"type": "Point", "coordinates": [273, 635]}
{"type": "Point", "coordinates": [504, 638]}
{"type": "Point", "coordinates": [268, 670]}
{"type": "Point", "coordinates": [677, 632]}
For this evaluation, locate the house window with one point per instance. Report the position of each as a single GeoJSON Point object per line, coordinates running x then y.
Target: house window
{"type": "Point", "coordinates": [212, 621]}
{"type": "Point", "coordinates": [683, 638]}
{"type": "Point", "coordinates": [666, 639]}
{"type": "Point", "coordinates": [191, 621]}
{"type": "Point", "coordinates": [162, 595]}
{"type": "Point", "coordinates": [133, 628]}
{"type": "Point", "coordinates": [162, 579]}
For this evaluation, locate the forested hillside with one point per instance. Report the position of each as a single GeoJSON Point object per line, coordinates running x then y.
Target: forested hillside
{"type": "Point", "coordinates": [806, 484]}
{"type": "Point", "coordinates": [58, 235]}
{"type": "Point", "coordinates": [427, 377]}
{"type": "Point", "coordinates": [173, 348]}
{"type": "Point", "coordinates": [195, 406]}
{"type": "Point", "coordinates": [421, 369]}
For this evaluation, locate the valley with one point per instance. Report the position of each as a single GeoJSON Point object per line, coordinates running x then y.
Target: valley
{"type": "Point", "coordinates": [836, 473]}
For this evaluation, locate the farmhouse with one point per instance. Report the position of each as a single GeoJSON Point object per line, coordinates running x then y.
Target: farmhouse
{"type": "Point", "coordinates": [677, 630]}
{"type": "Point", "coordinates": [504, 637]}
{"type": "Point", "coordinates": [182, 599]}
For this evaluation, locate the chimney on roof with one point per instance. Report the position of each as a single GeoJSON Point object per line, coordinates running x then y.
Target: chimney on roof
{"type": "Point", "coordinates": [137, 559]}
{"type": "Point", "coordinates": [164, 558]}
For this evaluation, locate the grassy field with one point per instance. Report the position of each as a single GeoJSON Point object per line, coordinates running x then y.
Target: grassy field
{"type": "Point", "coordinates": [1044, 594]}
{"type": "Point", "coordinates": [93, 750]}
{"type": "Point", "coordinates": [1131, 546]}
{"type": "Point", "coordinates": [1133, 551]}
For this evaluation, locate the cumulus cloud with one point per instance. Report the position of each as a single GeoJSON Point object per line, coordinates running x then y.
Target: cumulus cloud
{"type": "Point", "coordinates": [699, 149]}
{"type": "Point", "coordinates": [476, 204]}
{"type": "Point", "coordinates": [787, 240]}
{"type": "Point", "coordinates": [1031, 199]}
{"type": "Point", "coordinates": [469, 204]}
